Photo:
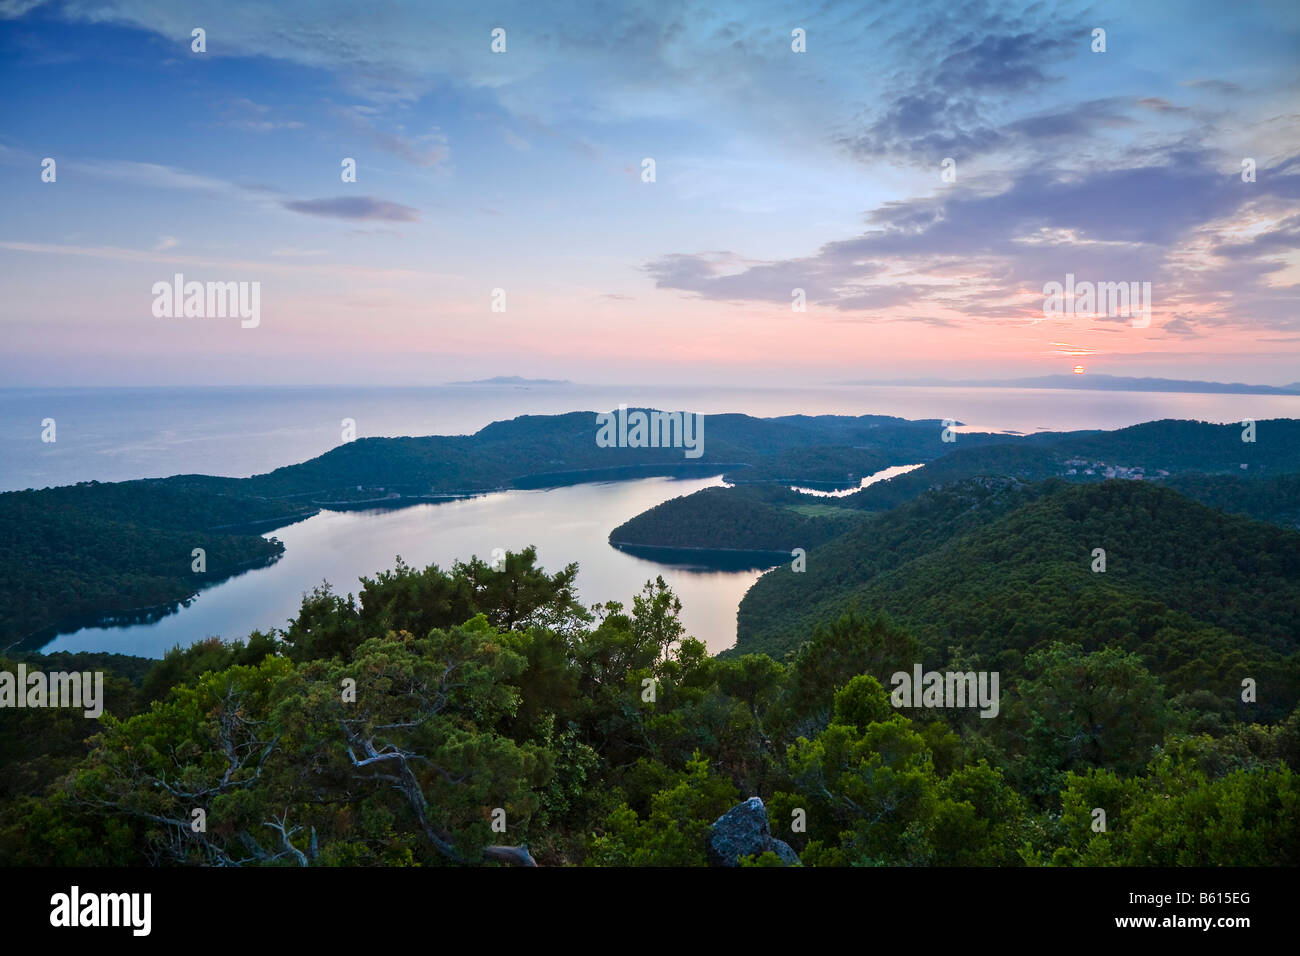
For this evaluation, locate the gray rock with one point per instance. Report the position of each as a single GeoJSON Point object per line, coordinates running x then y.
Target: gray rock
{"type": "Point", "coordinates": [785, 851]}
{"type": "Point", "coordinates": [743, 831]}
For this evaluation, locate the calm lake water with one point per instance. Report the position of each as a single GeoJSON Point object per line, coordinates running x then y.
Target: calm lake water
{"type": "Point", "coordinates": [883, 475]}
{"type": "Point", "coordinates": [566, 524]}
{"type": "Point", "coordinates": [119, 434]}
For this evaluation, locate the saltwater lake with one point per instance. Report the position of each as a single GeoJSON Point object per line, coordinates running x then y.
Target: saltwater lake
{"type": "Point", "coordinates": [118, 434]}
{"type": "Point", "coordinates": [566, 524]}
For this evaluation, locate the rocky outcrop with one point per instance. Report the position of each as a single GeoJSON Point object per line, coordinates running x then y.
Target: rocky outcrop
{"type": "Point", "coordinates": [743, 831]}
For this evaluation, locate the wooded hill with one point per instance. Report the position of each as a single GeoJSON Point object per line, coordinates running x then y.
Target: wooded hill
{"type": "Point", "coordinates": [988, 570]}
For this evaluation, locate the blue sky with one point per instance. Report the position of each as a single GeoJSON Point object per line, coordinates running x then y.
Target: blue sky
{"type": "Point", "coordinates": [521, 170]}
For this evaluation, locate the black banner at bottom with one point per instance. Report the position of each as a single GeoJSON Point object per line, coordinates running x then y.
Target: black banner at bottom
{"type": "Point", "coordinates": [333, 906]}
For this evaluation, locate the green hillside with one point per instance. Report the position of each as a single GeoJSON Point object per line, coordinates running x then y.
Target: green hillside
{"type": "Point", "coordinates": [740, 518]}
{"type": "Point", "coordinates": [74, 553]}
{"type": "Point", "coordinates": [988, 574]}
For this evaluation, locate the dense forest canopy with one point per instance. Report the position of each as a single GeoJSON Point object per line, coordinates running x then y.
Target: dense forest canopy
{"type": "Point", "coordinates": [747, 517]}
{"type": "Point", "coordinates": [929, 562]}
{"type": "Point", "coordinates": [482, 714]}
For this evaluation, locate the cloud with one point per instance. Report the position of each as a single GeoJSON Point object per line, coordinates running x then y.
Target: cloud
{"type": "Point", "coordinates": [923, 127]}
{"type": "Point", "coordinates": [154, 176]}
{"type": "Point", "coordinates": [985, 255]}
{"type": "Point", "coordinates": [13, 9]}
{"type": "Point", "coordinates": [1216, 86]}
{"type": "Point", "coordinates": [1183, 327]}
{"type": "Point", "coordinates": [725, 276]}
{"type": "Point", "coordinates": [514, 141]}
{"type": "Point", "coordinates": [930, 320]}
{"type": "Point", "coordinates": [426, 150]}
{"type": "Point", "coordinates": [353, 207]}
{"type": "Point", "coordinates": [1003, 62]}
{"type": "Point", "coordinates": [1065, 348]}
{"type": "Point", "coordinates": [569, 63]}
{"type": "Point", "coordinates": [243, 113]}
{"type": "Point", "coordinates": [166, 242]}
{"type": "Point", "coordinates": [230, 266]}
{"type": "Point", "coordinates": [1082, 119]}
{"type": "Point", "coordinates": [1160, 105]}
{"type": "Point", "coordinates": [1284, 237]}
{"type": "Point", "coordinates": [957, 106]}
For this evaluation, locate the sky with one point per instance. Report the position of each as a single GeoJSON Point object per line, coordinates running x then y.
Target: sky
{"type": "Point", "coordinates": [922, 171]}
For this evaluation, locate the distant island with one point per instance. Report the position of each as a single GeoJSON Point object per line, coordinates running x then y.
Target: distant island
{"type": "Point", "coordinates": [1116, 383]}
{"type": "Point", "coordinates": [514, 380]}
